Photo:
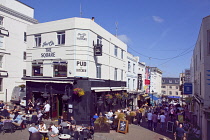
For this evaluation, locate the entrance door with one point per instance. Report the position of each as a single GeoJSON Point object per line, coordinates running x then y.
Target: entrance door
{"type": "Point", "coordinates": [208, 129]}
{"type": "Point", "coordinates": [54, 106]}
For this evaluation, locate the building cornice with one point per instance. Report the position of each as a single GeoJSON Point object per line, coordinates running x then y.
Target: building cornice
{"type": "Point", "coordinates": [17, 14]}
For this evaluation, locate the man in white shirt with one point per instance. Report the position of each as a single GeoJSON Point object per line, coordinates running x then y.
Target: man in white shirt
{"type": "Point", "coordinates": [149, 117]}
{"type": "Point", "coordinates": [110, 114]}
{"type": "Point", "coordinates": [47, 109]}
{"type": "Point", "coordinates": [162, 121]}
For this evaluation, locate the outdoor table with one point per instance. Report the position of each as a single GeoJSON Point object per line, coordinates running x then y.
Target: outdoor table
{"type": "Point", "coordinates": [110, 122]}
{"type": "Point", "coordinates": [64, 137]}
{"type": "Point", "coordinates": [44, 133]}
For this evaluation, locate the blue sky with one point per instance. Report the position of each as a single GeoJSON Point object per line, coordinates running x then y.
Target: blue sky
{"type": "Point", "coordinates": [154, 30]}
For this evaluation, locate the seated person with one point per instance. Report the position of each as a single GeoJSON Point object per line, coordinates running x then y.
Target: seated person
{"type": "Point", "coordinates": [7, 119]}
{"type": "Point", "coordinates": [33, 128]}
{"type": "Point", "coordinates": [42, 126]}
{"type": "Point", "coordinates": [54, 129]}
{"type": "Point", "coordinates": [52, 135]}
{"type": "Point", "coordinates": [11, 115]}
{"type": "Point", "coordinates": [5, 112]}
{"type": "Point", "coordinates": [18, 118]}
{"type": "Point", "coordinates": [34, 118]}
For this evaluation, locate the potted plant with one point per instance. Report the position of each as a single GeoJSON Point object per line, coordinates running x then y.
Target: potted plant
{"type": "Point", "coordinates": [79, 91]}
{"type": "Point", "coordinates": [22, 87]}
{"type": "Point", "coordinates": [118, 95]}
{"type": "Point", "coordinates": [108, 98]}
{"type": "Point", "coordinates": [101, 125]}
{"type": "Point", "coordinates": [124, 95]}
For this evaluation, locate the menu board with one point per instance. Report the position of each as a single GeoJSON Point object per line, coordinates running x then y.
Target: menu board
{"type": "Point", "coordinates": [122, 126]}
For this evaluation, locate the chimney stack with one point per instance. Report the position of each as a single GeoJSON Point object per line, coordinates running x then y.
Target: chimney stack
{"type": "Point", "coordinates": [93, 18]}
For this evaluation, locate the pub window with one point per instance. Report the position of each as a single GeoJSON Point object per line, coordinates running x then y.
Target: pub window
{"type": "Point", "coordinates": [1, 41]}
{"type": "Point", "coordinates": [60, 69]}
{"type": "Point", "coordinates": [115, 50]}
{"type": "Point", "coordinates": [122, 75]}
{"type": "Point", "coordinates": [61, 38]}
{"type": "Point", "coordinates": [99, 40]}
{"type": "Point", "coordinates": [1, 61]}
{"type": "Point", "coordinates": [37, 68]}
{"type": "Point", "coordinates": [128, 83]}
{"type": "Point", "coordinates": [115, 74]}
{"type": "Point", "coordinates": [1, 84]}
{"type": "Point", "coordinates": [98, 70]}
{"type": "Point", "coordinates": [25, 38]}
{"type": "Point", "coordinates": [129, 66]}
{"type": "Point", "coordinates": [1, 20]}
{"type": "Point", "coordinates": [24, 72]}
{"type": "Point", "coordinates": [37, 40]}
{"type": "Point", "coordinates": [24, 55]}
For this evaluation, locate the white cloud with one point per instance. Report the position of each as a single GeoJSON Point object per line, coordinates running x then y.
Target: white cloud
{"type": "Point", "coordinates": [157, 19]}
{"type": "Point", "coordinates": [124, 38]}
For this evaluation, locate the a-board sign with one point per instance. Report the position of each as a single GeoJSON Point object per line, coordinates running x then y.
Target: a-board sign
{"type": "Point", "coordinates": [180, 118]}
{"type": "Point", "coordinates": [122, 126]}
{"type": "Point", "coordinates": [170, 126]}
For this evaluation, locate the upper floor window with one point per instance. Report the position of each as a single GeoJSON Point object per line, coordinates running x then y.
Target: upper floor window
{"type": "Point", "coordinates": [61, 38]}
{"type": "Point", "coordinates": [98, 70]}
{"type": "Point", "coordinates": [170, 92]}
{"type": "Point", "coordinates": [163, 86]}
{"type": "Point", "coordinates": [122, 75]}
{"type": "Point", "coordinates": [37, 40]}
{"type": "Point", "coordinates": [176, 81]}
{"type": "Point", "coordinates": [60, 69]}
{"type": "Point", "coordinates": [163, 81]}
{"type": "Point", "coordinates": [1, 41]}
{"type": "Point", "coordinates": [115, 74]}
{"type": "Point", "coordinates": [1, 84]}
{"type": "Point", "coordinates": [170, 87]}
{"type": "Point", "coordinates": [25, 37]}
{"type": "Point", "coordinates": [163, 92]}
{"type": "Point", "coordinates": [134, 68]}
{"type": "Point", "coordinates": [121, 53]}
{"type": "Point", "coordinates": [24, 55]}
{"type": "Point", "coordinates": [177, 87]}
{"type": "Point", "coordinates": [115, 50]}
{"type": "Point", "coordinates": [170, 81]}
{"type": "Point", "coordinates": [133, 84]}
{"type": "Point", "coordinates": [128, 83]}
{"type": "Point", "coordinates": [37, 68]}
{"type": "Point", "coordinates": [24, 72]}
{"type": "Point", "coordinates": [176, 93]}
{"type": "Point", "coordinates": [1, 20]}
{"type": "Point", "coordinates": [1, 61]}
{"type": "Point", "coordinates": [99, 40]}
{"type": "Point", "coordinates": [129, 66]}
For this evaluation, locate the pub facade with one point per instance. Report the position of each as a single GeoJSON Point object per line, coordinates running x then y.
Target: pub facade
{"type": "Point", "coordinates": [78, 66]}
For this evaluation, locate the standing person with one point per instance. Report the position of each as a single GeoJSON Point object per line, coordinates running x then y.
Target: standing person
{"type": "Point", "coordinates": [1, 104]}
{"type": "Point", "coordinates": [180, 133]}
{"type": "Point", "coordinates": [155, 120]}
{"type": "Point", "coordinates": [149, 117]}
{"type": "Point", "coordinates": [139, 117]}
{"type": "Point", "coordinates": [162, 121]}
{"type": "Point", "coordinates": [47, 109]}
{"type": "Point", "coordinates": [73, 121]}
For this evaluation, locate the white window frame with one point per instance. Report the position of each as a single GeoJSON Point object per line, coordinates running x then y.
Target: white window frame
{"type": "Point", "coordinates": [38, 40]}
{"type": "Point", "coordinates": [61, 36]}
{"type": "Point", "coordinates": [98, 70]}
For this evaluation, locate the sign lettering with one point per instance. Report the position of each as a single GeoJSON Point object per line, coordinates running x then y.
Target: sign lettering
{"type": "Point", "coordinates": [81, 36]}
{"type": "Point", "coordinates": [47, 43]}
{"type": "Point", "coordinates": [48, 53]}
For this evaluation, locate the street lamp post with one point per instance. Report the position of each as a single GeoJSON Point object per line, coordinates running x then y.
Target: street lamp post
{"type": "Point", "coordinates": [66, 96]}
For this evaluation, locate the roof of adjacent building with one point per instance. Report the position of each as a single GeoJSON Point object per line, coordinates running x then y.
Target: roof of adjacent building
{"type": "Point", "coordinates": [170, 80]}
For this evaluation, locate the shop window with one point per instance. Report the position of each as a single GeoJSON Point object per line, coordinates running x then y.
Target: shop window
{"type": "Point", "coordinates": [61, 38]}
{"type": "Point", "coordinates": [37, 40]}
{"type": "Point", "coordinates": [115, 74]}
{"type": "Point", "coordinates": [37, 69]}
{"type": "Point", "coordinates": [60, 69]}
{"type": "Point", "coordinates": [98, 70]}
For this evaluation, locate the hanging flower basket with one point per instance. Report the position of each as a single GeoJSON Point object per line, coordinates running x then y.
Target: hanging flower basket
{"type": "Point", "coordinates": [108, 96]}
{"type": "Point", "coordinates": [79, 92]}
{"type": "Point", "coordinates": [125, 94]}
{"type": "Point", "coordinates": [118, 95]}
{"type": "Point", "coordinates": [22, 86]}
